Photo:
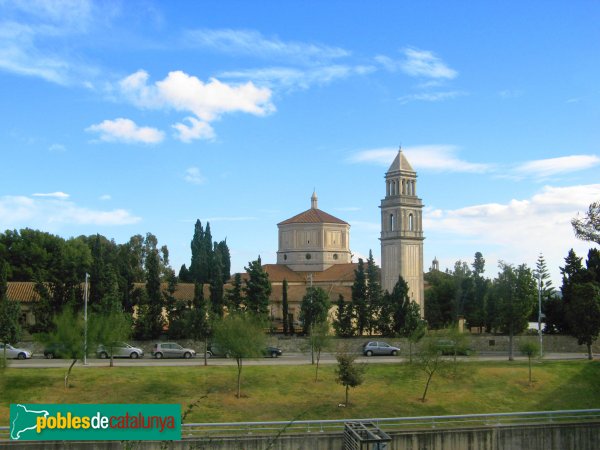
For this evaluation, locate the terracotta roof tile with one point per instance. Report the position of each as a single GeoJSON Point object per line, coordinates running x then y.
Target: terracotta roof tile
{"type": "Point", "coordinates": [313, 215]}
{"type": "Point", "coordinates": [22, 291]}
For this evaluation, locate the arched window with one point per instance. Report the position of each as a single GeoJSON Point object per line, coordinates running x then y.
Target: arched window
{"type": "Point", "coordinates": [392, 222]}
{"type": "Point", "coordinates": [410, 222]}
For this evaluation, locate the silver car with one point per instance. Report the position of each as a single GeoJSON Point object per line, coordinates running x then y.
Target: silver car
{"type": "Point", "coordinates": [379, 348]}
{"type": "Point", "coordinates": [171, 350]}
{"type": "Point", "coordinates": [12, 352]}
{"type": "Point", "coordinates": [120, 350]}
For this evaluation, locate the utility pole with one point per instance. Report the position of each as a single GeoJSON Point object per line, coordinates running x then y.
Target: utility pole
{"type": "Point", "coordinates": [540, 314]}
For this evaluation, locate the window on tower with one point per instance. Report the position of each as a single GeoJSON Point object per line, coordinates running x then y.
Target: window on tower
{"type": "Point", "coordinates": [392, 222]}
{"type": "Point", "coordinates": [410, 222]}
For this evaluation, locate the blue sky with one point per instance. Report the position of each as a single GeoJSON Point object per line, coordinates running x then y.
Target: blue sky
{"type": "Point", "coordinates": [122, 118]}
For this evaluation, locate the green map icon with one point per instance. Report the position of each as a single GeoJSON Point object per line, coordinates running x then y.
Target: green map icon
{"type": "Point", "coordinates": [23, 420]}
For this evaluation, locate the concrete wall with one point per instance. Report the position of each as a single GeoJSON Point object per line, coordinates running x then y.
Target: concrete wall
{"type": "Point", "coordinates": [584, 436]}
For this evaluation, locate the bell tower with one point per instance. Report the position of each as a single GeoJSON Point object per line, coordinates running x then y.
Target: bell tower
{"type": "Point", "coordinates": [402, 230]}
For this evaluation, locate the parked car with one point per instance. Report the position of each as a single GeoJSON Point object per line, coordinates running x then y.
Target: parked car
{"type": "Point", "coordinates": [120, 350]}
{"type": "Point", "coordinates": [272, 352]}
{"type": "Point", "coordinates": [55, 350]}
{"type": "Point", "coordinates": [171, 350]}
{"type": "Point", "coordinates": [449, 347]}
{"type": "Point", "coordinates": [379, 348]}
{"type": "Point", "coordinates": [12, 352]}
{"type": "Point", "coordinates": [216, 351]}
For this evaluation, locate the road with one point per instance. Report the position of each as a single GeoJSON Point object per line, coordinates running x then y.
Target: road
{"type": "Point", "coordinates": [286, 359]}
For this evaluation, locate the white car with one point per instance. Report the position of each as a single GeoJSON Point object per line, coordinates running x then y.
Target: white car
{"type": "Point", "coordinates": [11, 352]}
{"type": "Point", "coordinates": [120, 350]}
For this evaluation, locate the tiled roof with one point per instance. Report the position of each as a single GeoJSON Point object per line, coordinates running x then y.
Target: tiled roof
{"type": "Point", "coordinates": [22, 291]}
{"type": "Point", "coordinates": [313, 215]}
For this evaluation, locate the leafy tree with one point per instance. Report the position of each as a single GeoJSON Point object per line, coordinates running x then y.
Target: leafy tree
{"type": "Point", "coordinates": [314, 308]}
{"type": "Point", "coordinates": [429, 361]}
{"type": "Point", "coordinates": [374, 293]}
{"type": "Point", "coordinates": [416, 334]}
{"type": "Point", "coordinates": [10, 329]}
{"type": "Point", "coordinates": [68, 333]}
{"type": "Point", "coordinates": [110, 330]}
{"type": "Point", "coordinates": [233, 295]}
{"type": "Point", "coordinates": [342, 324]}
{"type": "Point", "coordinates": [531, 349]}
{"type": "Point", "coordinates": [587, 228]}
{"type": "Point", "coordinates": [359, 298]}
{"type": "Point", "coordinates": [199, 327]}
{"type": "Point", "coordinates": [583, 314]}
{"type": "Point", "coordinates": [348, 373]}
{"type": "Point", "coordinates": [285, 307]}
{"type": "Point", "coordinates": [439, 299]}
{"type": "Point", "coordinates": [257, 289]}
{"type": "Point", "coordinates": [514, 291]}
{"type": "Point", "coordinates": [242, 336]}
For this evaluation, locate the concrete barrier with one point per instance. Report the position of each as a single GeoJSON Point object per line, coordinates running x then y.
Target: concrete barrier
{"type": "Point", "coordinates": [563, 436]}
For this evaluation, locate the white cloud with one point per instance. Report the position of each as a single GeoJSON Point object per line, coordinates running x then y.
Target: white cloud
{"type": "Point", "coordinates": [105, 197]}
{"type": "Point", "coordinates": [207, 101]}
{"type": "Point", "coordinates": [193, 175]}
{"type": "Point", "coordinates": [60, 195]}
{"type": "Point", "coordinates": [440, 158]}
{"type": "Point", "coordinates": [303, 78]}
{"type": "Point", "coordinates": [126, 130]}
{"type": "Point", "coordinates": [431, 96]}
{"type": "Point", "coordinates": [253, 43]}
{"type": "Point", "coordinates": [52, 213]}
{"type": "Point", "coordinates": [554, 166]}
{"type": "Point", "coordinates": [519, 230]}
{"type": "Point", "coordinates": [57, 148]}
{"type": "Point", "coordinates": [196, 130]}
{"type": "Point", "coordinates": [418, 63]}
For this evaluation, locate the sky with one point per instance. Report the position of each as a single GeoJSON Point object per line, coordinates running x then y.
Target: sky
{"type": "Point", "coordinates": [124, 118]}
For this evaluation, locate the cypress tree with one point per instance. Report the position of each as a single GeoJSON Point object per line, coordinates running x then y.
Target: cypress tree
{"type": "Point", "coordinates": [257, 289]}
{"type": "Point", "coordinates": [285, 307]}
{"type": "Point", "coordinates": [359, 297]}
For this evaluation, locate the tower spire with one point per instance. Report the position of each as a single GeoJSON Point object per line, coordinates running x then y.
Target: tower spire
{"type": "Point", "coordinates": [314, 200]}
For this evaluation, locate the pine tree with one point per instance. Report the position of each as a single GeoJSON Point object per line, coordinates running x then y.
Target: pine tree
{"type": "Point", "coordinates": [257, 289]}
{"type": "Point", "coordinates": [216, 285]}
{"type": "Point", "coordinates": [223, 250]}
{"type": "Point", "coordinates": [359, 298]}
{"type": "Point", "coordinates": [314, 308]}
{"type": "Point", "coordinates": [197, 253]}
{"type": "Point", "coordinates": [184, 275]}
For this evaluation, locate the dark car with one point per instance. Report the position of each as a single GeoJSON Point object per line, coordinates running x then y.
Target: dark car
{"type": "Point", "coordinates": [56, 350]}
{"type": "Point", "coordinates": [379, 348]}
{"type": "Point", "coordinates": [215, 351]}
{"type": "Point", "coordinates": [272, 352]}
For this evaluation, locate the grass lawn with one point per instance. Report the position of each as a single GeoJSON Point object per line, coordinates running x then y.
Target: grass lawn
{"type": "Point", "coordinates": [289, 392]}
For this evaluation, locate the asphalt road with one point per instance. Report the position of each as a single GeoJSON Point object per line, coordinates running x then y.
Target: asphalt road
{"type": "Point", "coordinates": [286, 359]}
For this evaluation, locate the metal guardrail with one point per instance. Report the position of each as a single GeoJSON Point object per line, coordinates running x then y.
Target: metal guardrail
{"type": "Point", "coordinates": [195, 430]}
{"type": "Point", "coordinates": [233, 429]}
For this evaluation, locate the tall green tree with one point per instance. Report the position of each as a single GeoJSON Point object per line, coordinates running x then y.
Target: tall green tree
{"type": "Point", "coordinates": [359, 298]}
{"type": "Point", "coordinates": [342, 323]}
{"type": "Point", "coordinates": [439, 299]}
{"type": "Point", "coordinates": [285, 307]}
{"type": "Point", "coordinates": [394, 310]}
{"type": "Point", "coordinates": [583, 314]}
{"type": "Point", "coordinates": [587, 228]}
{"type": "Point", "coordinates": [257, 289]}
{"type": "Point", "coordinates": [225, 257]}
{"type": "Point", "coordinates": [150, 320]}
{"type": "Point", "coordinates": [314, 308]}
{"type": "Point", "coordinates": [374, 293]}
{"type": "Point", "coordinates": [216, 284]}
{"type": "Point", "coordinates": [233, 296]}
{"type": "Point", "coordinates": [515, 292]}
{"type": "Point", "coordinates": [476, 310]}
